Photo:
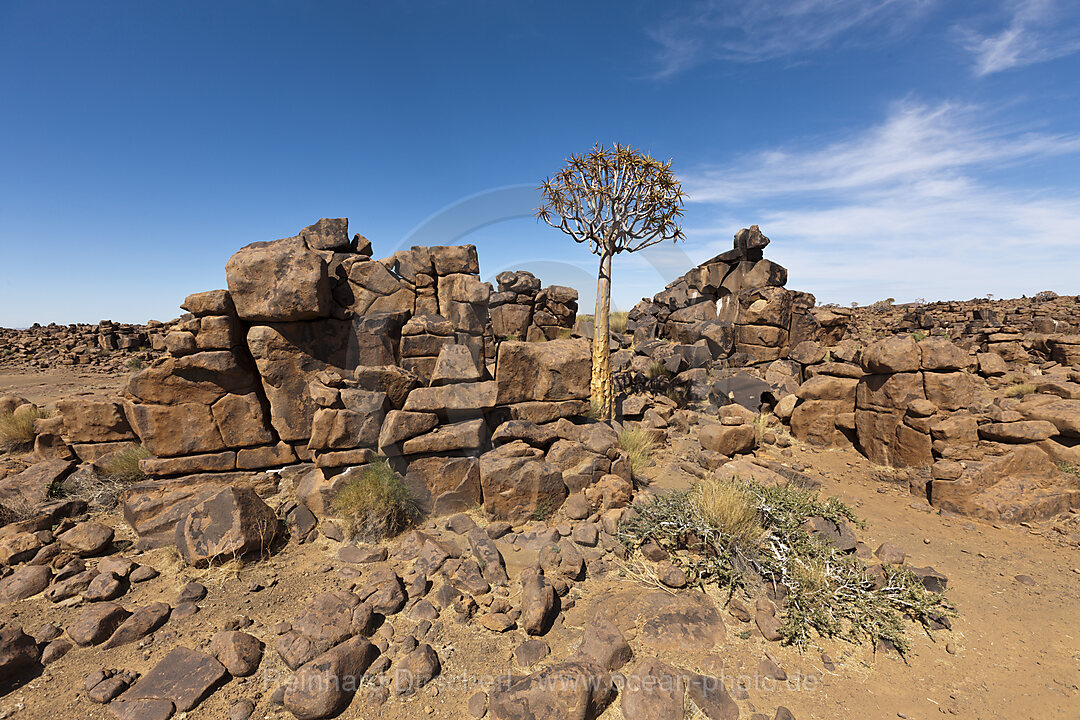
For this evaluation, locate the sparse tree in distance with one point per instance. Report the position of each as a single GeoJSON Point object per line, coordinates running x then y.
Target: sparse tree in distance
{"type": "Point", "coordinates": [616, 200]}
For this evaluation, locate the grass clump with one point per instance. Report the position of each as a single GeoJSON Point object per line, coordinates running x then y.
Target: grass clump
{"type": "Point", "coordinates": [1069, 468]}
{"type": "Point", "coordinates": [123, 466]}
{"type": "Point", "coordinates": [375, 502]}
{"type": "Point", "coordinates": [657, 369]}
{"type": "Point", "coordinates": [639, 446]}
{"type": "Point", "coordinates": [1019, 390]}
{"type": "Point", "coordinates": [17, 428]}
{"type": "Point", "coordinates": [738, 533]}
{"type": "Point", "coordinates": [616, 320]}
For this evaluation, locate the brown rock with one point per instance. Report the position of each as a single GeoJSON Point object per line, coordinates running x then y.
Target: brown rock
{"type": "Point", "coordinates": [25, 582]}
{"type": "Point", "coordinates": [139, 624]}
{"type": "Point", "coordinates": [278, 281]}
{"type": "Point", "coordinates": [239, 652]}
{"type": "Point", "coordinates": [324, 686]}
{"type": "Point", "coordinates": [87, 539]}
{"type": "Point", "coordinates": [566, 691]}
{"type": "Point", "coordinates": [96, 623]}
{"type": "Point", "coordinates": [551, 371]}
{"type": "Point", "coordinates": [93, 421]}
{"type": "Point", "coordinates": [233, 522]}
{"type": "Point", "coordinates": [185, 677]}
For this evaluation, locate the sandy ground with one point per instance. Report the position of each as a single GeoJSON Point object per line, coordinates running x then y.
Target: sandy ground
{"type": "Point", "coordinates": [45, 387]}
{"type": "Point", "coordinates": [1017, 647]}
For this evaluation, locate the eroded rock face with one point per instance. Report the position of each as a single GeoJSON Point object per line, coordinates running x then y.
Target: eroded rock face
{"type": "Point", "coordinates": [574, 690]}
{"type": "Point", "coordinates": [278, 281]}
{"type": "Point", "coordinates": [1019, 486]}
{"type": "Point", "coordinates": [288, 356]}
{"type": "Point", "coordinates": [233, 522]}
{"type": "Point", "coordinates": [550, 371]}
{"type": "Point", "coordinates": [516, 486]}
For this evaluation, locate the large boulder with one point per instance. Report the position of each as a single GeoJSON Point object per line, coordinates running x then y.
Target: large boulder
{"type": "Point", "coordinates": [573, 690]}
{"type": "Point", "coordinates": [231, 523]}
{"type": "Point", "coordinates": [896, 354]}
{"type": "Point", "coordinates": [1020, 486]}
{"type": "Point", "coordinates": [88, 420]}
{"type": "Point", "coordinates": [324, 686]}
{"type": "Point", "coordinates": [443, 485]}
{"type": "Point", "coordinates": [546, 371]}
{"type": "Point", "coordinates": [171, 430]}
{"type": "Point", "coordinates": [278, 281]}
{"type": "Point", "coordinates": [517, 483]}
{"type": "Point", "coordinates": [203, 377]}
{"type": "Point", "coordinates": [154, 507]}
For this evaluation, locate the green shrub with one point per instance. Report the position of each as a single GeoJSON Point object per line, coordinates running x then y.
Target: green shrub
{"type": "Point", "coordinates": [123, 466]}
{"type": "Point", "coordinates": [17, 428]}
{"type": "Point", "coordinates": [639, 447]}
{"type": "Point", "coordinates": [735, 533]}
{"type": "Point", "coordinates": [1069, 468]}
{"type": "Point", "coordinates": [376, 503]}
{"type": "Point", "coordinates": [135, 363]}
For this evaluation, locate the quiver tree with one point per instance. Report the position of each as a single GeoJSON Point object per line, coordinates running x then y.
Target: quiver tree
{"type": "Point", "coordinates": [616, 200]}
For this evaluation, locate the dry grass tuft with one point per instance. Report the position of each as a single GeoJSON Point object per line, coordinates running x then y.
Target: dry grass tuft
{"type": "Point", "coordinates": [123, 466]}
{"type": "Point", "coordinates": [730, 507]}
{"type": "Point", "coordinates": [657, 369]}
{"type": "Point", "coordinates": [17, 428]}
{"type": "Point", "coordinates": [1019, 390]}
{"type": "Point", "coordinates": [376, 503]}
{"type": "Point", "coordinates": [639, 446]}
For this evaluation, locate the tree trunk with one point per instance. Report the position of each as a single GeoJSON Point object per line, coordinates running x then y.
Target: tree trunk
{"type": "Point", "coordinates": [602, 384]}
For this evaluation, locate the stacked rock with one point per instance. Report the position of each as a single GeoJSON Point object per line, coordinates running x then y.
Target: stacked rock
{"type": "Point", "coordinates": [521, 310]}
{"type": "Point", "coordinates": [737, 292]}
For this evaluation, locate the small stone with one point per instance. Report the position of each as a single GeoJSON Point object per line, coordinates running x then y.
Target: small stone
{"type": "Point", "coordinates": [671, 575]}
{"type": "Point", "coordinates": [1025, 580]}
{"type": "Point", "coordinates": [192, 592]}
{"type": "Point", "coordinates": [477, 705]}
{"type": "Point", "coordinates": [142, 573]}
{"type": "Point", "coordinates": [241, 709]}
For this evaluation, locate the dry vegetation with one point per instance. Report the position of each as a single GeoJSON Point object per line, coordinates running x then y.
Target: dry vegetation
{"type": "Point", "coordinates": [639, 446]}
{"type": "Point", "coordinates": [17, 428]}
{"type": "Point", "coordinates": [746, 536]}
{"type": "Point", "coordinates": [376, 503]}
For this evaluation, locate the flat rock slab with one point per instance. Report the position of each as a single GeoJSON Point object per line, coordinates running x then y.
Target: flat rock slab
{"type": "Point", "coordinates": [664, 622]}
{"type": "Point", "coordinates": [184, 676]}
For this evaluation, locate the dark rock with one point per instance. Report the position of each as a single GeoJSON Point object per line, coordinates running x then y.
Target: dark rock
{"type": "Point", "coordinates": [566, 691]}
{"type": "Point", "coordinates": [605, 644]}
{"type": "Point", "coordinates": [324, 686]}
{"type": "Point", "coordinates": [184, 676]}
{"type": "Point", "coordinates": [233, 523]}
{"type": "Point", "coordinates": [139, 624]}
{"type": "Point", "coordinates": [25, 582]}
{"type": "Point", "coordinates": [239, 652]}
{"type": "Point", "coordinates": [531, 652]}
{"type": "Point", "coordinates": [709, 695]}
{"type": "Point", "coordinates": [96, 623]}
{"type": "Point", "coordinates": [87, 539]}
{"type": "Point", "coordinates": [653, 691]}
{"type": "Point", "coordinates": [417, 670]}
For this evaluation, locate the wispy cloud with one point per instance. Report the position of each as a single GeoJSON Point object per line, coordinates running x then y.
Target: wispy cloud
{"type": "Point", "coordinates": [740, 31]}
{"type": "Point", "coordinates": [912, 207]}
{"type": "Point", "coordinates": [1035, 31]}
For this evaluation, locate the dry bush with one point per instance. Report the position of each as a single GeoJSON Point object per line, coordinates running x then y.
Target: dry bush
{"type": "Point", "coordinates": [731, 508]}
{"type": "Point", "coordinates": [618, 321]}
{"type": "Point", "coordinates": [123, 466]}
{"type": "Point", "coordinates": [17, 428]}
{"type": "Point", "coordinates": [376, 503]}
{"type": "Point", "coordinates": [1019, 390]}
{"type": "Point", "coordinates": [657, 369]}
{"type": "Point", "coordinates": [639, 446]}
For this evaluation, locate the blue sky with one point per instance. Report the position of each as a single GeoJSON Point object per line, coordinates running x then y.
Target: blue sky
{"type": "Point", "coordinates": [890, 148]}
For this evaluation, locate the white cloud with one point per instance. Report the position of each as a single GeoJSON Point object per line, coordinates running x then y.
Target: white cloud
{"type": "Point", "coordinates": [905, 209]}
{"type": "Point", "coordinates": [1037, 31]}
{"type": "Point", "coordinates": [741, 31]}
